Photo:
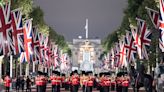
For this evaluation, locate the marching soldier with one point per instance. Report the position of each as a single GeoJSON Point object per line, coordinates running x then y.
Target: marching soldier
{"type": "Point", "coordinates": [38, 82]}
{"type": "Point", "coordinates": [119, 82]}
{"type": "Point", "coordinates": [75, 81]}
{"type": "Point", "coordinates": [67, 83]}
{"type": "Point", "coordinates": [7, 82]}
{"type": "Point", "coordinates": [44, 80]}
{"type": "Point", "coordinates": [101, 82]}
{"type": "Point", "coordinates": [83, 81]}
{"type": "Point", "coordinates": [55, 81]}
{"type": "Point", "coordinates": [106, 83]}
{"type": "Point", "coordinates": [113, 83]}
{"type": "Point", "coordinates": [90, 82]}
{"type": "Point", "coordinates": [125, 83]}
{"type": "Point", "coordinates": [63, 80]}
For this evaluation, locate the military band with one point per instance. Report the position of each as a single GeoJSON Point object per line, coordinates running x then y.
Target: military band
{"type": "Point", "coordinates": [105, 82]}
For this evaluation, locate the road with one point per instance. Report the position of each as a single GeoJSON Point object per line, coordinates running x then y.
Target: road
{"type": "Point", "coordinates": [63, 90]}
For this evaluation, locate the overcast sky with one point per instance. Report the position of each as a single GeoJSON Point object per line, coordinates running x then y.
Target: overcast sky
{"type": "Point", "coordinates": [67, 17]}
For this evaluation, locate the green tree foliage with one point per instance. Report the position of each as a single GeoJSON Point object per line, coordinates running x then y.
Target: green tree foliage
{"type": "Point", "coordinates": [136, 8]}
{"type": "Point", "coordinates": [25, 5]}
{"type": "Point", "coordinates": [38, 20]}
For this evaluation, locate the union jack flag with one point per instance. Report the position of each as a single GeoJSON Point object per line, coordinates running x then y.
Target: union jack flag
{"type": "Point", "coordinates": [56, 57]}
{"type": "Point", "coordinates": [154, 16]}
{"type": "Point", "coordinates": [46, 48]}
{"type": "Point", "coordinates": [145, 36]}
{"type": "Point", "coordinates": [17, 32]}
{"type": "Point", "coordinates": [130, 46]}
{"type": "Point", "coordinates": [23, 57]}
{"type": "Point", "coordinates": [117, 54]}
{"type": "Point", "coordinates": [36, 45]}
{"type": "Point", "coordinates": [28, 39]}
{"type": "Point", "coordinates": [161, 26]}
{"type": "Point", "coordinates": [137, 41]}
{"type": "Point", "coordinates": [122, 61]}
{"type": "Point", "coordinates": [112, 58]}
{"type": "Point", "coordinates": [41, 44]}
{"type": "Point", "coordinates": [64, 61]}
{"type": "Point", "coordinates": [5, 28]}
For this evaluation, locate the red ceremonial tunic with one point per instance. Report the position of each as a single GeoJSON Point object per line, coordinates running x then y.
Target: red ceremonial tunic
{"type": "Point", "coordinates": [37, 81]}
{"type": "Point", "coordinates": [7, 81]}
{"type": "Point", "coordinates": [125, 83]}
{"type": "Point", "coordinates": [55, 80]}
{"type": "Point", "coordinates": [107, 82]}
{"type": "Point", "coordinates": [113, 82]}
{"type": "Point", "coordinates": [40, 81]}
{"type": "Point", "coordinates": [75, 80]}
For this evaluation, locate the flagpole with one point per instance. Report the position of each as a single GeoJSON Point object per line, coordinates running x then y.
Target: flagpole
{"type": "Point", "coordinates": [86, 28]}
{"type": "Point", "coordinates": [27, 69]}
{"type": "Point", "coordinates": [1, 57]}
{"type": "Point", "coordinates": [11, 65]}
{"type": "Point", "coordinates": [33, 70]}
{"type": "Point", "coordinates": [20, 69]}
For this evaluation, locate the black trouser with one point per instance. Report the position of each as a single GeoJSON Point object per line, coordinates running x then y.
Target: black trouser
{"type": "Point", "coordinates": [75, 88]}
{"type": "Point", "coordinates": [17, 88]}
{"type": "Point", "coordinates": [124, 89]}
{"type": "Point", "coordinates": [55, 88]}
{"type": "Point", "coordinates": [84, 88]}
{"type": "Point", "coordinates": [101, 89]}
{"type": "Point", "coordinates": [112, 87]}
{"type": "Point", "coordinates": [119, 88]}
{"type": "Point", "coordinates": [89, 88]}
{"type": "Point", "coordinates": [106, 89]}
{"type": "Point", "coordinates": [66, 86]}
{"type": "Point", "coordinates": [22, 86]}
{"type": "Point", "coordinates": [40, 89]}
{"type": "Point", "coordinates": [44, 87]}
{"type": "Point", "coordinates": [7, 89]}
{"type": "Point", "coordinates": [28, 88]}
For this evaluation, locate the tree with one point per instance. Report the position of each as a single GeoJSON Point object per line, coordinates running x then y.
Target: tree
{"type": "Point", "coordinates": [25, 5]}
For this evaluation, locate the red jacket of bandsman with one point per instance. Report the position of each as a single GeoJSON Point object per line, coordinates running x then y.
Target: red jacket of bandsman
{"type": "Point", "coordinates": [7, 81]}
{"type": "Point", "coordinates": [90, 81]}
{"type": "Point", "coordinates": [75, 80]}
{"type": "Point", "coordinates": [40, 81]}
{"type": "Point", "coordinates": [84, 80]}
{"type": "Point", "coordinates": [119, 81]}
{"type": "Point", "coordinates": [55, 80]}
{"type": "Point", "coordinates": [107, 82]}
{"type": "Point", "coordinates": [67, 80]}
{"type": "Point", "coordinates": [125, 83]}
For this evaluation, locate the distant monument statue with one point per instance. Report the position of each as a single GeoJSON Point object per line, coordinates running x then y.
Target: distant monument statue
{"type": "Point", "coordinates": [85, 52]}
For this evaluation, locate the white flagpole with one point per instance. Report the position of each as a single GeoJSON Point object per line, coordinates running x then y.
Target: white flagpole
{"type": "Point", "coordinates": [86, 28]}
{"type": "Point", "coordinates": [1, 57]}
{"type": "Point", "coordinates": [11, 66]}
{"type": "Point", "coordinates": [27, 69]}
{"type": "Point", "coordinates": [33, 70]}
{"type": "Point", "coordinates": [20, 69]}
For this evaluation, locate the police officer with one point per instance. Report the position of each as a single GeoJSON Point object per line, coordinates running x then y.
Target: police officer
{"type": "Point", "coordinates": [75, 81]}
{"type": "Point", "coordinates": [7, 82]}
